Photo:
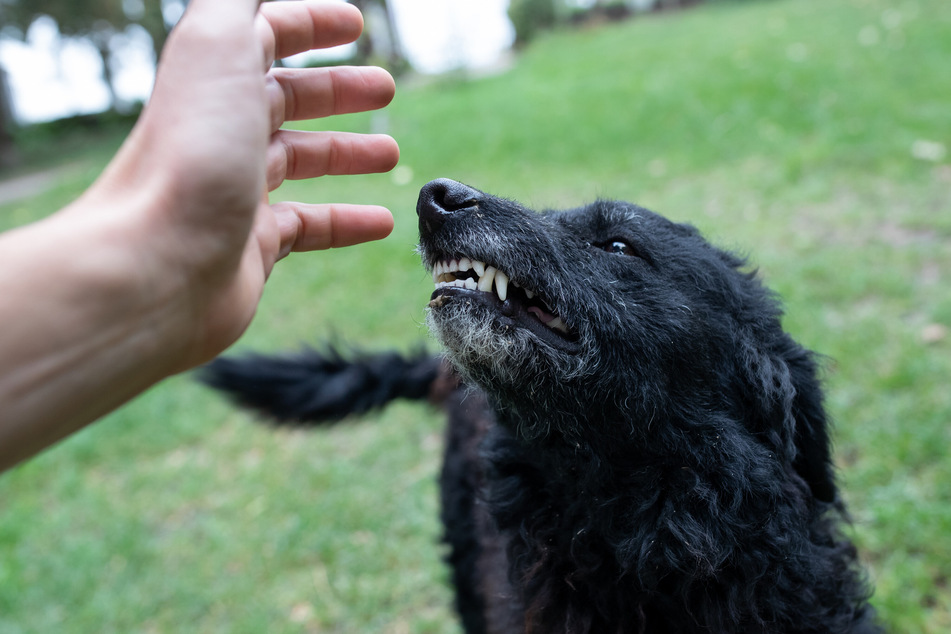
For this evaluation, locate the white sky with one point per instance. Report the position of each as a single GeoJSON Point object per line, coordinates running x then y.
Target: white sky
{"type": "Point", "coordinates": [440, 35]}
{"type": "Point", "coordinates": [52, 77]}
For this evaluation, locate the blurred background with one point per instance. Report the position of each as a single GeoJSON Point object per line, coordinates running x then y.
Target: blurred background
{"type": "Point", "coordinates": [812, 136]}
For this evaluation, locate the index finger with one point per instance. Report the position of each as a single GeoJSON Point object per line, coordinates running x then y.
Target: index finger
{"type": "Point", "coordinates": [288, 28]}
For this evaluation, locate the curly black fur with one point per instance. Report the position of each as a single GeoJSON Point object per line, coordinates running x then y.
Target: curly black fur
{"type": "Point", "coordinates": [642, 448]}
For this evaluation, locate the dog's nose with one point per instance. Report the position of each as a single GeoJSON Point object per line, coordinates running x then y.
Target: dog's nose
{"type": "Point", "coordinates": [440, 199]}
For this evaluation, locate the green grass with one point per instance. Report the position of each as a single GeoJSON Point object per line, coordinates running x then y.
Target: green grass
{"type": "Point", "coordinates": [784, 129]}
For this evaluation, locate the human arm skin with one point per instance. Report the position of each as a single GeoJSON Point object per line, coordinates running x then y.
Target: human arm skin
{"type": "Point", "coordinates": [160, 264]}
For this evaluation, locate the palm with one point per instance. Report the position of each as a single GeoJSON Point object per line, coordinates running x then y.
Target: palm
{"type": "Point", "coordinates": [215, 122]}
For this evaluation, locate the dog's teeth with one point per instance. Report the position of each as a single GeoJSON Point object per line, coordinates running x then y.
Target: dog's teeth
{"type": "Point", "coordinates": [558, 324]}
{"type": "Point", "coordinates": [502, 285]}
{"type": "Point", "coordinates": [485, 281]}
{"type": "Point", "coordinates": [491, 279]}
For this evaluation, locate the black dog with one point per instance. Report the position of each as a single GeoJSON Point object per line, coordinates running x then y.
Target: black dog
{"type": "Point", "coordinates": [642, 448]}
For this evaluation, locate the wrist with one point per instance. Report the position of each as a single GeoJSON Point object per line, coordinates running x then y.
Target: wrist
{"type": "Point", "coordinates": [90, 305]}
{"type": "Point", "coordinates": [81, 336]}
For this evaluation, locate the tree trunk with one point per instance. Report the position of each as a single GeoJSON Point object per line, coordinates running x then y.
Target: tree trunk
{"type": "Point", "coordinates": [365, 42]}
{"type": "Point", "coordinates": [397, 59]}
{"type": "Point", "coordinates": [8, 151]}
{"type": "Point", "coordinates": [154, 23]}
{"type": "Point", "coordinates": [102, 45]}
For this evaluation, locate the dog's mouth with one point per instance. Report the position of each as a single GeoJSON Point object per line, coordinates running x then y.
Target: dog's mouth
{"type": "Point", "coordinates": [522, 305]}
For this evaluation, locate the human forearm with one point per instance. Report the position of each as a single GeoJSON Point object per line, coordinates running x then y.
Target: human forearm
{"type": "Point", "coordinates": [160, 265]}
{"type": "Point", "coordinates": [88, 331]}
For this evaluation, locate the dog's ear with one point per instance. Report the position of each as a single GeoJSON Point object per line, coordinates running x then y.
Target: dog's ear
{"type": "Point", "coordinates": [783, 384]}
{"type": "Point", "coordinates": [813, 446]}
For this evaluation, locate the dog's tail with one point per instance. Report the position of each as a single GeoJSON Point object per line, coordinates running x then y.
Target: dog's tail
{"type": "Point", "coordinates": [326, 386]}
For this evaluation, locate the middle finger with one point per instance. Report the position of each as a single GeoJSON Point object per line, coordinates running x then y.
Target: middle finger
{"type": "Point", "coordinates": [307, 93]}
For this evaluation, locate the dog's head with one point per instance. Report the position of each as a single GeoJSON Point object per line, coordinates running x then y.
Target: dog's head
{"type": "Point", "coordinates": [610, 325]}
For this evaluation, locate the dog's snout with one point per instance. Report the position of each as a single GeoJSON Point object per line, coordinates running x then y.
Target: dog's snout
{"type": "Point", "coordinates": [440, 199]}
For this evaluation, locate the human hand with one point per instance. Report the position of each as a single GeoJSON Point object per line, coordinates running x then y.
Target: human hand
{"type": "Point", "coordinates": [160, 264]}
{"type": "Point", "coordinates": [209, 147]}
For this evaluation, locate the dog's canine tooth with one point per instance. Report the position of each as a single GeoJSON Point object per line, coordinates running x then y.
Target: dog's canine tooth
{"type": "Point", "coordinates": [558, 324]}
{"type": "Point", "coordinates": [485, 281]}
{"type": "Point", "coordinates": [489, 279]}
{"type": "Point", "coordinates": [501, 285]}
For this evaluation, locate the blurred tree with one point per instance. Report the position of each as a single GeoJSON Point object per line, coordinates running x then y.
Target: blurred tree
{"type": "Point", "coordinates": [530, 16]}
{"type": "Point", "coordinates": [96, 20]}
{"type": "Point", "coordinates": [8, 151]}
{"type": "Point", "coordinates": [380, 42]}
{"type": "Point", "coordinates": [152, 18]}
{"type": "Point", "coordinates": [153, 21]}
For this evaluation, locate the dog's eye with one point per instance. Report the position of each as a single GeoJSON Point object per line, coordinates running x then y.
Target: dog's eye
{"type": "Point", "coordinates": [617, 247]}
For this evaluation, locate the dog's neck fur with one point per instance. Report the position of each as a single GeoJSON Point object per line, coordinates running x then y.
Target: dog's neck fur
{"type": "Point", "coordinates": [628, 516]}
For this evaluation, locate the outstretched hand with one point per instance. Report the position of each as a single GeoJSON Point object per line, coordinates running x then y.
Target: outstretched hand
{"type": "Point", "coordinates": [161, 263]}
{"type": "Point", "coordinates": [209, 147]}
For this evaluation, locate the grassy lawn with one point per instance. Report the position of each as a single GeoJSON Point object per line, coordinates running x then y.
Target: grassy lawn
{"type": "Point", "coordinates": [805, 133]}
